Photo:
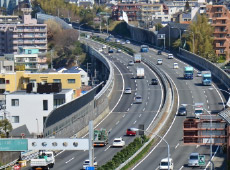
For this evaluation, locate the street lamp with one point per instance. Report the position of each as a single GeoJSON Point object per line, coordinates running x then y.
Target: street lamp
{"type": "Point", "coordinates": [80, 30]}
{"type": "Point", "coordinates": [169, 37]}
{"type": "Point", "coordinates": [223, 91]}
{"type": "Point", "coordinates": [193, 42]}
{"type": "Point", "coordinates": [210, 115]}
{"type": "Point", "coordinates": [179, 30]}
{"type": "Point", "coordinates": [135, 129]}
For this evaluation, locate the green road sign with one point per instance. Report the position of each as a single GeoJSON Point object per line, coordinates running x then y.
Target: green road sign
{"type": "Point", "coordinates": [13, 144]}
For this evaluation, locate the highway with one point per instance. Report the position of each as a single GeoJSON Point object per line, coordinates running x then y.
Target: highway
{"type": "Point", "coordinates": [190, 92]}
{"type": "Point", "coordinates": [125, 113]}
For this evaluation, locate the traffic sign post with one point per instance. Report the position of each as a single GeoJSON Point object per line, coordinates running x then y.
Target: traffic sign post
{"type": "Point", "coordinates": [160, 37]}
{"type": "Point", "coordinates": [13, 144]}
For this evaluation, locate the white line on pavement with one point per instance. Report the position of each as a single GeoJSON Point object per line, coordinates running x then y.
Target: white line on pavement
{"type": "Point", "coordinates": [69, 160]}
{"type": "Point", "coordinates": [107, 148]}
{"type": "Point", "coordinates": [177, 145]}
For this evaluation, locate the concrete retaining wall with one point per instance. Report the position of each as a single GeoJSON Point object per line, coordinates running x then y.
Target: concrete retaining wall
{"type": "Point", "coordinates": [75, 122]}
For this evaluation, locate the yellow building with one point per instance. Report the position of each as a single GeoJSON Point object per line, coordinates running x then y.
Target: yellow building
{"type": "Point", "coordinates": [18, 81]}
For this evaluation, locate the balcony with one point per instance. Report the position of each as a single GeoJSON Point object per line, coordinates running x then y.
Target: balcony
{"type": "Point", "coordinates": [219, 24]}
{"type": "Point", "coordinates": [219, 38]}
{"type": "Point", "coordinates": [218, 31]}
{"type": "Point", "coordinates": [220, 45]}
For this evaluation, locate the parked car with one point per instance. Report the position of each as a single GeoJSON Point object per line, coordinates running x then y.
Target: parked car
{"type": "Point", "coordinates": [118, 142]}
{"type": "Point", "coordinates": [138, 99]}
{"type": "Point", "coordinates": [129, 132]}
{"type": "Point", "coordinates": [154, 81]}
{"type": "Point", "coordinates": [127, 42]}
{"type": "Point", "coordinates": [86, 164]}
{"type": "Point", "coordinates": [159, 52]}
{"type": "Point", "coordinates": [110, 51]}
{"type": "Point", "coordinates": [182, 111]}
{"type": "Point", "coordinates": [131, 63]}
{"type": "Point", "coordinates": [128, 90]}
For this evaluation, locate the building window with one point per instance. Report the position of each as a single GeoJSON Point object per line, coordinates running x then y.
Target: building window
{"type": "Point", "coordinates": [71, 81]}
{"type": "Point", "coordinates": [57, 80]}
{"type": "Point", "coordinates": [15, 119]}
{"type": "Point", "coordinates": [7, 81]}
{"type": "Point", "coordinates": [14, 102]}
{"type": "Point", "coordinates": [45, 104]}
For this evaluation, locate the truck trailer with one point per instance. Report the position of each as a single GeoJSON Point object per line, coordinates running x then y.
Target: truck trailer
{"type": "Point", "coordinates": [206, 78]}
{"type": "Point", "coordinates": [100, 137]}
{"type": "Point", "coordinates": [45, 160]}
{"type": "Point", "coordinates": [140, 73]}
{"type": "Point", "coordinates": [137, 58]}
{"type": "Point", "coordinates": [188, 72]}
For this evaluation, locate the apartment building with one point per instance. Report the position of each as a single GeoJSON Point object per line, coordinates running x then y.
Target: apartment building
{"type": "Point", "coordinates": [219, 17]}
{"type": "Point", "coordinates": [31, 109]}
{"type": "Point", "coordinates": [9, 19]}
{"type": "Point", "coordinates": [10, 82]}
{"type": "Point", "coordinates": [28, 59]}
{"type": "Point", "coordinates": [148, 10]}
{"type": "Point", "coordinates": [25, 34]}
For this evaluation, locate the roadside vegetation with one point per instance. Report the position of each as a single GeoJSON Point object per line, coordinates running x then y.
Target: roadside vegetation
{"type": "Point", "coordinates": [5, 128]}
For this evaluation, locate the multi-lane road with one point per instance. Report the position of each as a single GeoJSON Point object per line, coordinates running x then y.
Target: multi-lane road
{"type": "Point", "coordinates": [125, 113]}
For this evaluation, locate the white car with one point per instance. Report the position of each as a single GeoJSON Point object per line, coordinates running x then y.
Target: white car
{"type": "Point", "coordinates": [131, 63]}
{"type": "Point", "coordinates": [118, 142]}
{"type": "Point", "coordinates": [164, 164]}
{"type": "Point", "coordinates": [104, 46]}
{"type": "Point", "coordinates": [170, 56]}
{"type": "Point", "coordinates": [199, 74]}
{"type": "Point", "coordinates": [138, 99]}
{"type": "Point", "coordinates": [86, 164]}
{"type": "Point", "coordinates": [128, 90]}
{"type": "Point", "coordinates": [127, 42]}
{"type": "Point", "coordinates": [175, 65]}
{"type": "Point", "coordinates": [100, 50]}
{"type": "Point", "coordinates": [159, 61]}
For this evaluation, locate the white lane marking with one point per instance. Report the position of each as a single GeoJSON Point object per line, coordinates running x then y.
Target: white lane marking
{"type": "Point", "coordinates": [117, 122]}
{"type": "Point", "coordinates": [177, 145]}
{"type": "Point", "coordinates": [207, 101]}
{"type": "Point", "coordinates": [143, 109]}
{"type": "Point", "coordinates": [128, 110]}
{"type": "Point", "coordinates": [135, 81]}
{"type": "Point", "coordinates": [110, 130]}
{"type": "Point", "coordinates": [181, 168]}
{"type": "Point", "coordinates": [69, 160]}
{"type": "Point", "coordinates": [148, 97]}
{"type": "Point", "coordinates": [165, 133]}
{"type": "Point", "coordinates": [107, 148]}
{"type": "Point", "coordinates": [197, 146]}
{"type": "Point", "coordinates": [146, 103]}
{"type": "Point", "coordinates": [123, 115]}
{"type": "Point", "coordinates": [140, 115]}
{"type": "Point", "coordinates": [136, 88]}
{"type": "Point", "coordinates": [134, 122]}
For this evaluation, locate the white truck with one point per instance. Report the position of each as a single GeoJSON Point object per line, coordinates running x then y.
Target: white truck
{"type": "Point", "coordinates": [140, 73]}
{"type": "Point", "coordinates": [198, 110]}
{"type": "Point", "coordinates": [137, 58]}
{"type": "Point", "coordinates": [45, 160]}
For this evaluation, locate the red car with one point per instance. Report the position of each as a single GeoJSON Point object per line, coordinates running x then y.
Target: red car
{"type": "Point", "coordinates": [130, 132]}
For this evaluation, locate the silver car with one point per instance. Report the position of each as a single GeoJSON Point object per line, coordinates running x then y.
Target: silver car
{"type": "Point", "coordinates": [131, 63]}
{"type": "Point", "coordinates": [128, 90]}
{"type": "Point", "coordinates": [138, 99]}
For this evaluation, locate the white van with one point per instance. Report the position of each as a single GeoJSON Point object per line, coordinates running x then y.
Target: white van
{"type": "Point", "coordinates": [170, 56]}
{"type": "Point", "coordinates": [159, 61]}
{"type": "Point", "coordinates": [164, 164]}
{"type": "Point", "coordinates": [175, 65]}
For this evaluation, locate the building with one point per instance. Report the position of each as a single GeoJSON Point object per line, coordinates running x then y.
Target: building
{"type": "Point", "coordinates": [31, 109]}
{"type": "Point", "coordinates": [9, 19]}
{"type": "Point", "coordinates": [28, 59]}
{"type": "Point", "coordinates": [148, 10]}
{"type": "Point", "coordinates": [25, 34]}
{"type": "Point", "coordinates": [219, 17]}
{"type": "Point", "coordinates": [198, 131]}
{"type": "Point", "coordinates": [10, 82]}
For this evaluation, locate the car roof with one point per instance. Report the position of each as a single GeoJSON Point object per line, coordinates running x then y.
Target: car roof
{"type": "Point", "coordinates": [138, 95]}
{"type": "Point", "coordinates": [194, 154]}
{"type": "Point", "coordinates": [154, 79]}
{"type": "Point", "coordinates": [117, 138]}
{"type": "Point", "coordinates": [166, 159]}
{"type": "Point", "coordinates": [128, 88]}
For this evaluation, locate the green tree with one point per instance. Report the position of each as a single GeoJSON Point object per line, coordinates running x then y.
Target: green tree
{"type": "Point", "coordinates": [201, 32]}
{"type": "Point", "coordinates": [6, 126]}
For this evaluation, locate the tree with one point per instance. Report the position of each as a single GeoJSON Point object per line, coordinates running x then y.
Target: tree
{"type": "Point", "coordinates": [203, 38]}
{"type": "Point", "coordinates": [6, 126]}
{"type": "Point", "coordinates": [53, 28]}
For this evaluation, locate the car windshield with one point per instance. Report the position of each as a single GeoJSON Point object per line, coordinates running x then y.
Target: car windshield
{"type": "Point", "coordinates": [193, 157]}
{"type": "Point", "coordinates": [138, 97]}
{"type": "Point", "coordinates": [182, 109]}
{"type": "Point", "coordinates": [128, 88]}
{"type": "Point", "coordinates": [164, 163]}
{"type": "Point", "coordinates": [198, 111]}
{"type": "Point", "coordinates": [86, 162]}
{"type": "Point", "coordinates": [118, 140]}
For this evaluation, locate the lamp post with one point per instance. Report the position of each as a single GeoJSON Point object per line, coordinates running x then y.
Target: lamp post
{"type": "Point", "coordinates": [210, 115]}
{"type": "Point", "coordinates": [80, 30]}
{"type": "Point", "coordinates": [135, 129]}
{"type": "Point", "coordinates": [169, 37]}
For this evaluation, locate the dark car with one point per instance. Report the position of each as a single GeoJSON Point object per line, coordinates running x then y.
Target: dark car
{"type": "Point", "coordinates": [159, 52]}
{"type": "Point", "coordinates": [129, 132]}
{"type": "Point", "coordinates": [110, 51]}
{"type": "Point", "coordinates": [154, 82]}
{"type": "Point", "coordinates": [182, 111]}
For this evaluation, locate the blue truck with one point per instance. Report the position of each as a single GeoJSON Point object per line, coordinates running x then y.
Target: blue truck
{"type": "Point", "coordinates": [188, 72]}
{"type": "Point", "coordinates": [206, 78]}
{"type": "Point", "coordinates": [144, 48]}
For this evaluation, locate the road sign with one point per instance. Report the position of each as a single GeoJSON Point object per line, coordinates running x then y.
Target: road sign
{"type": "Point", "coordinates": [13, 144]}
{"type": "Point", "coordinates": [161, 36]}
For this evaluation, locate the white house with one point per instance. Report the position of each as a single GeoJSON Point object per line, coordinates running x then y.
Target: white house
{"type": "Point", "coordinates": [32, 109]}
